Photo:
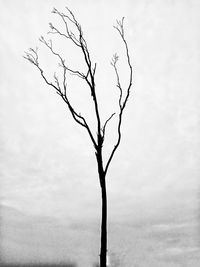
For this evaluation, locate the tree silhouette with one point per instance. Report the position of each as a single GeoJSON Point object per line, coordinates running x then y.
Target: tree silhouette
{"type": "Point", "coordinates": [60, 85]}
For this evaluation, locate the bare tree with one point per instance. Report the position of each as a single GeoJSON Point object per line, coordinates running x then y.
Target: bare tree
{"type": "Point", "coordinates": [60, 86]}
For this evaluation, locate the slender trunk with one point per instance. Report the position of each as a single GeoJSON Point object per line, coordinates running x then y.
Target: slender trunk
{"type": "Point", "coordinates": [103, 251]}
{"type": "Point", "coordinates": [102, 180]}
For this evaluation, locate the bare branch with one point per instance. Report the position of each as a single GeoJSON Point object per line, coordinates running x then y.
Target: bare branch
{"type": "Point", "coordinates": [114, 64]}
{"type": "Point", "coordinates": [57, 81]}
{"type": "Point", "coordinates": [69, 34]}
{"type": "Point", "coordinates": [117, 143]}
{"type": "Point", "coordinates": [80, 42]}
{"type": "Point", "coordinates": [104, 126]}
{"type": "Point", "coordinates": [120, 28]}
{"type": "Point", "coordinates": [94, 70]}
{"type": "Point", "coordinates": [77, 117]}
{"type": "Point", "coordinates": [49, 45]}
{"type": "Point", "coordinates": [32, 57]}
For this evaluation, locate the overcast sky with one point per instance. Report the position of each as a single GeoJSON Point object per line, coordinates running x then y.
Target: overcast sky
{"type": "Point", "coordinates": [47, 161]}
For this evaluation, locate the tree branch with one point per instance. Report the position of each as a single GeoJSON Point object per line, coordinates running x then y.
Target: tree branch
{"type": "Point", "coordinates": [114, 64]}
{"type": "Point", "coordinates": [32, 57]}
{"type": "Point", "coordinates": [69, 35]}
{"type": "Point", "coordinates": [122, 103]}
{"type": "Point", "coordinates": [104, 126]}
{"type": "Point", "coordinates": [80, 42]}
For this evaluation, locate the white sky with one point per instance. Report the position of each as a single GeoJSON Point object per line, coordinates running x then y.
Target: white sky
{"type": "Point", "coordinates": [47, 161]}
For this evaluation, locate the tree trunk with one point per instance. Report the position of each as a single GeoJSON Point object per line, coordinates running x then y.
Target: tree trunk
{"type": "Point", "coordinates": [103, 252]}
{"type": "Point", "coordinates": [102, 180]}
